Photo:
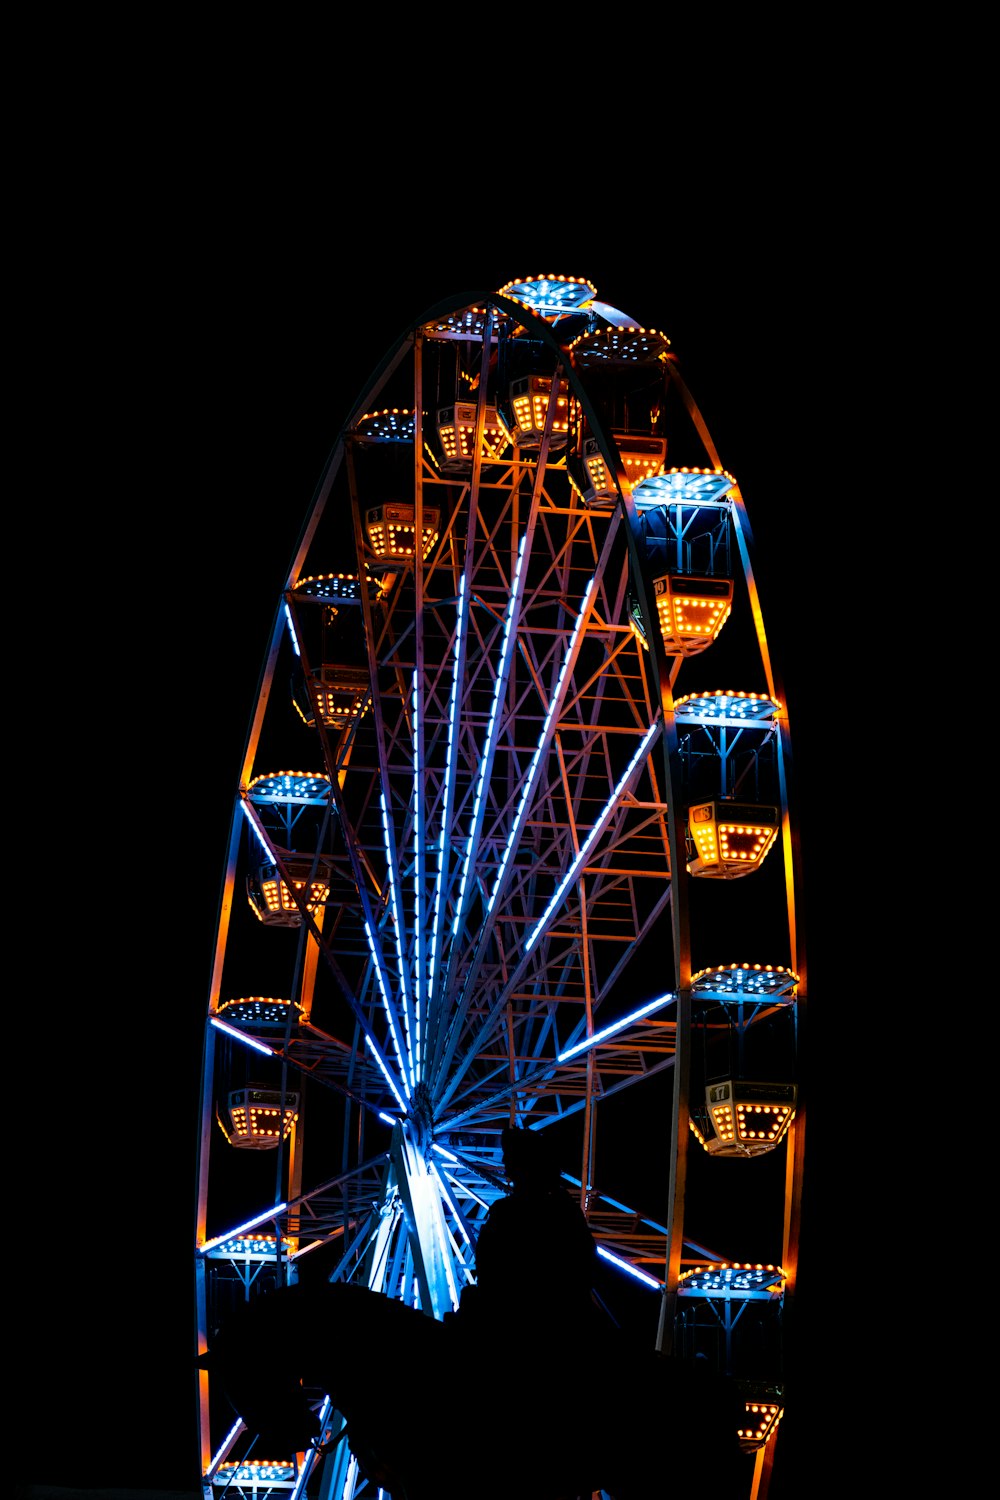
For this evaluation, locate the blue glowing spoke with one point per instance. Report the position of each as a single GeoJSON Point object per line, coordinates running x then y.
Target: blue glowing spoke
{"type": "Point", "coordinates": [456, 1215]}
{"type": "Point", "coordinates": [418, 869]}
{"type": "Point", "coordinates": [625, 1265]}
{"type": "Point", "coordinates": [397, 931]}
{"type": "Point", "coordinates": [241, 1036]}
{"type": "Point", "coordinates": [255, 825]}
{"type": "Point", "coordinates": [492, 730]}
{"type": "Point", "coordinates": [615, 1027]}
{"type": "Point", "coordinates": [382, 977]}
{"type": "Point", "coordinates": [219, 1456]}
{"type": "Point", "coordinates": [544, 738]}
{"type": "Point", "coordinates": [291, 631]}
{"type": "Point", "coordinates": [232, 1234]}
{"type": "Point", "coordinates": [379, 966]}
{"type": "Point", "coordinates": [590, 840]}
{"type": "Point", "coordinates": [376, 1053]}
{"type": "Point", "coordinates": [464, 1187]}
{"type": "Point", "coordinates": [449, 782]}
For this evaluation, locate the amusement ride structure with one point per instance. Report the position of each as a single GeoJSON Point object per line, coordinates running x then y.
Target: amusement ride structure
{"type": "Point", "coordinates": [513, 843]}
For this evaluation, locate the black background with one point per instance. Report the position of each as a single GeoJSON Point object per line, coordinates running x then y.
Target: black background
{"type": "Point", "coordinates": [194, 369]}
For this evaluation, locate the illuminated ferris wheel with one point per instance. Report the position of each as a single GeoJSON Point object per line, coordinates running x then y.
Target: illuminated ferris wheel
{"type": "Point", "coordinates": [511, 841]}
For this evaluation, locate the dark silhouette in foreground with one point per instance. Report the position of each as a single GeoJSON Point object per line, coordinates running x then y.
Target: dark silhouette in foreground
{"type": "Point", "coordinates": [536, 1258]}
{"type": "Point", "coordinates": [528, 1390]}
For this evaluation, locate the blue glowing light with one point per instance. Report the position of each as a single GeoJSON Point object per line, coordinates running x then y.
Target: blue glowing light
{"type": "Point", "coordinates": [240, 1036]}
{"type": "Point", "coordinates": [464, 1188]}
{"type": "Point", "coordinates": [448, 781]}
{"type": "Point", "coordinates": [486, 755]}
{"type": "Point", "coordinates": [385, 1072]}
{"type": "Point", "coordinates": [616, 1026]}
{"type": "Point", "coordinates": [397, 928]}
{"type": "Point", "coordinates": [418, 870]}
{"type": "Point", "coordinates": [387, 1005]}
{"type": "Point", "coordinates": [291, 631]}
{"type": "Point", "coordinates": [450, 1202]}
{"type": "Point", "coordinates": [224, 1446]}
{"type": "Point", "coordinates": [251, 818]}
{"type": "Point", "coordinates": [624, 1265]}
{"type": "Point", "coordinates": [233, 1234]}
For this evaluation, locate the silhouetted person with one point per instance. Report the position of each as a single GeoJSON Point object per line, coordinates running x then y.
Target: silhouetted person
{"type": "Point", "coordinates": [602, 1395]}
{"type": "Point", "coordinates": [536, 1259]}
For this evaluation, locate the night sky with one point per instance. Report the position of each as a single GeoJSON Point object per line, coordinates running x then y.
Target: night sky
{"type": "Point", "coordinates": [184, 465]}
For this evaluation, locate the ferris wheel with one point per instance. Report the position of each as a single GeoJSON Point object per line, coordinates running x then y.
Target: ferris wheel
{"type": "Point", "coordinates": [513, 843]}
